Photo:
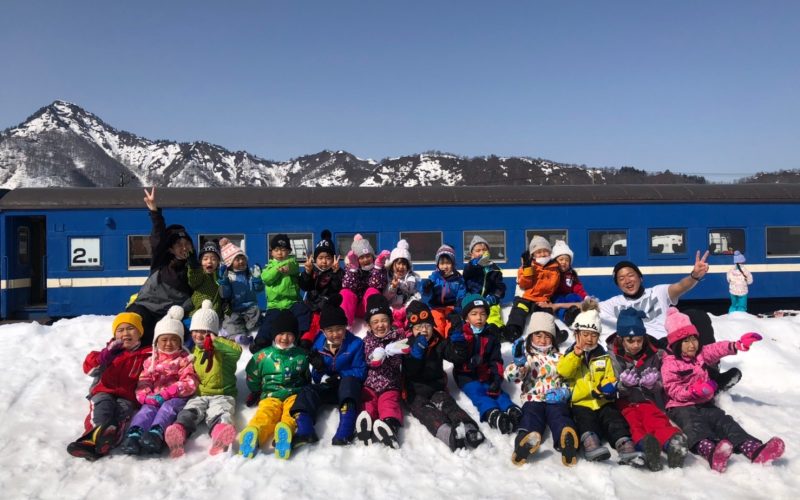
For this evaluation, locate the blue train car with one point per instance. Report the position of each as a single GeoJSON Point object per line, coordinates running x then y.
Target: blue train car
{"type": "Point", "coordinates": [73, 251]}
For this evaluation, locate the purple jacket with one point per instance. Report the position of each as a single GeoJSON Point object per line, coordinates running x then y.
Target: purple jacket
{"type": "Point", "coordinates": [679, 373]}
{"type": "Point", "coordinates": [358, 280]}
{"type": "Point", "coordinates": [386, 376]}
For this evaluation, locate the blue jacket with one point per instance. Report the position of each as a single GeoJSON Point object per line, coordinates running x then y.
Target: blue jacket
{"type": "Point", "coordinates": [349, 360]}
{"type": "Point", "coordinates": [241, 290]}
{"type": "Point", "coordinates": [438, 291]}
{"type": "Point", "coordinates": [484, 280]}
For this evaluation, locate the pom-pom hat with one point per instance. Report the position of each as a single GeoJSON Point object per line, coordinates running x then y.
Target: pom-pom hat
{"type": "Point", "coordinates": [229, 251]}
{"type": "Point", "coordinates": [331, 314]}
{"type": "Point", "coordinates": [400, 252]}
{"type": "Point", "coordinates": [205, 318]}
{"type": "Point", "coordinates": [561, 248]}
{"type": "Point", "coordinates": [377, 304]}
{"type": "Point", "coordinates": [589, 317]}
{"type": "Point", "coordinates": [324, 245]}
{"type": "Point", "coordinates": [361, 246]}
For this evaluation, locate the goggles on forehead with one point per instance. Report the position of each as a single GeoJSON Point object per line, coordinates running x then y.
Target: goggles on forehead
{"type": "Point", "coordinates": [418, 317]}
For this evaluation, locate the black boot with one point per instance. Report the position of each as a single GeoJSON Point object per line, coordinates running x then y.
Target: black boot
{"type": "Point", "coordinates": [132, 445]}
{"type": "Point", "coordinates": [499, 420]}
{"type": "Point", "coordinates": [724, 380]}
{"type": "Point", "coordinates": [385, 432]}
{"type": "Point", "coordinates": [153, 440]}
{"type": "Point", "coordinates": [525, 444]}
{"type": "Point", "coordinates": [474, 437]}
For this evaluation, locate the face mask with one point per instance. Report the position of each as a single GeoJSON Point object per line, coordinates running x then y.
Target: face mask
{"type": "Point", "coordinates": [475, 329]}
{"type": "Point", "coordinates": [541, 348]}
{"type": "Point", "coordinates": [542, 260]}
{"type": "Point", "coordinates": [369, 267]}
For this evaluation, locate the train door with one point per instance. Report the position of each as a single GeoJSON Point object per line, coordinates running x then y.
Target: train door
{"type": "Point", "coordinates": [24, 267]}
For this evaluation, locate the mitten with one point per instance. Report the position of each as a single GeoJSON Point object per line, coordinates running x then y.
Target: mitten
{"type": "Point", "coordinates": [255, 270]}
{"type": "Point", "coordinates": [352, 261]}
{"type": "Point", "coordinates": [526, 258]}
{"type": "Point", "coordinates": [331, 380]}
{"type": "Point", "coordinates": [380, 261]}
{"type": "Point", "coordinates": [491, 299]}
{"type": "Point", "coordinates": [377, 357]}
{"type": "Point", "coordinates": [494, 388]}
{"type": "Point", "coordinates": [518, 351]}
{"type": "Point", "coordinates": [154, 400]}
{"type": "Point", "coordinates": [169, 392]}
{"type": "Point", "coordinates": [253, 399]}
{"type": "Point", "coordinates": [629, 378]}
{"type": "Point", "coordinates": [110, 352]}
{"type": "Point", "coordinates": [208, 353]}
{"type": "Point", "coordinates": [485, 259]}
{"type": "Point", "coordinates": [704, 390]}
{"type": "Point", "coordinates": [649, 379]}
{"type": "Point", "coordinates": [744, 343]}
{"type": "Point", "coordinates": [222, 274]}
{"type": "Point", "coordinates": [556, 396]}
{"type": "Point", "coordinates": [418, 346]}
{"type": "Point", "coordinates": [192, 261]}
{"type": "Point", "coordinates": [457, 335]}
{"type": "Point", "coordinates": [316, 361]}
{"type": "Point", "coordinates": [255, 281]}
{"type": "Point", "coordinates": [398, 347]}
{"type": "Point", "coordinates": [605, 391]}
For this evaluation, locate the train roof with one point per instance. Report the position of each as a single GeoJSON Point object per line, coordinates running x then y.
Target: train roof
{"type": "Point", "coordinates": [54, 198]}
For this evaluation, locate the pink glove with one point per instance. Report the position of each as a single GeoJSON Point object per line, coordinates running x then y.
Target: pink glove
{"type": "Point", "coordinates": [377, 357]}
{"type": "Point", "coordinates": [704, 390]}
{"type": "Point", "coordinates": [352, 260]}
{"type": "Point", "coordinates": [170, 392]}
{"type": "Point", "coordinates": [649, 378]}
{"type": "Point", "coordinates": [380, 261]}
{"type": "Point", "coordinates": [153, 400]}
{"type": "Point", "coordinates": [629, 378]}
{"type": "Point", "coordinates": [744, 343]}
{"type": "Point", "coordinates": [110, 352]}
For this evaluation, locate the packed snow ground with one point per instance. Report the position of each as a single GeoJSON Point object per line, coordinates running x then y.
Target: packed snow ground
{"type": "Point", "coordinates": [42, 407]}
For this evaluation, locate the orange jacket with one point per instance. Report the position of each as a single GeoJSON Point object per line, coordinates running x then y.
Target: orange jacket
{"type": "Point", "coordinates": [539, 282]}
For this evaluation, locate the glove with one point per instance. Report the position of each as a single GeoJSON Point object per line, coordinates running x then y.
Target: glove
{"type": "Point", "coordinates": [316, 361]}
{"type": "Point", "coordinates": [494, 388]}
{"type": "Point", "coordinates": [110, 352]}
{"type": "Point", "coordinates": [255, 282]}
{"type": "Point", "coordinates": [253, 399]}
{"type": "Point", "coordinates": [526, 258]}
{"type": "Point", "coordinates": [649, 378]}
{"type": "Point", "coordinates": [154, 400]}
{"type": "Point", "coordinates": [208, 353]}
{"type": "Point", "coordinates": [457, 335]}
{"type": "Point", "coordinates": [222, 274]}
{"type": "Point", "coordinates": [192, 261]}
{"type": "Point", "coordinates": [605, 391]}
{"type": "Point", "coordinates": [331, 380]}
{"type": "Point", "coordinates": [629, 378]}
{"type": "Point", "coordinates": [419, 346]}
{"type": "Point", "coordinates": [352, 261]}
{"type": "Point", "coordinates": [518, 351]}
{"type": "Point", "coordinates": [382, 258]}
{"type": "Point", "coordinates": [398, 347]}
{"type": "Point", "coordinates": [255, 270]}
{"type": "Point", "coordinates": [485, 259]}
{"type": "Point", "coordinates": [704, 390]}
{"type": "Point", "coordinates": [491, 299]}
{"type": "Point", "coordinates": [744, 343]}
{"type": "Point", "coordinates": [377, 357]}
{"type": "Point", "coordinates": [556, 396]}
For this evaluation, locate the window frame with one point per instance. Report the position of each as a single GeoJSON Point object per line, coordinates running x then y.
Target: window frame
{"type": "Point", "coordinates": [466, 243]}
{"type": "Point", "coordinates": [351, 235]}
{"type": "Point", "coordinates": [723, 228]}
{"type": "Point", "coordinates": [415, 260]}
{"type": "Point", "coordinates": [150, 254]}
{"type": "Point", "coordinates": [766, 244]}
{"type": "Point", "coordinates": [309, 250]}
{"type": "Point", "coordinates": [684, 233]}
{"type": "Point", "coordinates": [589, 232]}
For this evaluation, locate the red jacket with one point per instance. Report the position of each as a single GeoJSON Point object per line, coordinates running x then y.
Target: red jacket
{"type": "Point", "coordinates": [121, 376]}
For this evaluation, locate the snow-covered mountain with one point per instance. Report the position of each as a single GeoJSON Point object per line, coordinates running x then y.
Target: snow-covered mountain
{"type": "Point", "coordinates": [65, 145]}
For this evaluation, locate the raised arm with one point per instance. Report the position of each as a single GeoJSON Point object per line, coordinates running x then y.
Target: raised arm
{"type": "Point", "coordinates": [676, 290]}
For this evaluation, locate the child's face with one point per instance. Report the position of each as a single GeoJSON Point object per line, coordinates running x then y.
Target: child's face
{"type": "Point", "coordinates": [633, 345]}
{"type": "Point", "coordinates": [181, 248]}
{"type": "Point", "coordinates": [541, 339]}
{"type": "Point", "coordinates": [587, 339]}
{"type": "Point", "coordinates": [168, 343]}
{"type": "Point", "coordinates": [564, 262]}
{"type": "Point", "coordinates": [199, 336]}
{"type": "Point", "coordinates": [689, 346]}
{"type": "Point", "coordinates": [424, 329]}
{"type": "Point", "coordinates": [380, 325]}
{"type": "Point", "coordinates": [239, 263]}
{"type": "Point", "coordinates": [366, 260]}
{"type": "Point", "coordinates": [477, 317]}
{"type": "Point", "coordinates": [399, 268]}
{"type": "Point", "coordinates": [335, 335]}
{"type": "Point", "coordinates": [284, 340]}
{"type": "Point", "coordinates": [128, 334]}
{"type": "Point", "coordinates": [445, 266]}
{"type": "Point", "coordinates": [324, 261]}
{"type": "Point", "coordinates": [541, 252]}
{"type": "Point", "coordinates": [210, 262]}
{"type": "Point", "coordinates": [478, 250]}
{"type": "Point", "coordinates": [279, 253]}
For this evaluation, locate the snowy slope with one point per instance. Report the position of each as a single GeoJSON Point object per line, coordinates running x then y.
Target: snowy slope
{"type": "Point", "coordinates": [42, 407]}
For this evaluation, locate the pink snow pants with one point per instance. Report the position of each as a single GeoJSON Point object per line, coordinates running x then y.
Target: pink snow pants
{"type": "Point", "coordinates": [383, 405]}
{"type": "Point", "coordinates": [352, 307]}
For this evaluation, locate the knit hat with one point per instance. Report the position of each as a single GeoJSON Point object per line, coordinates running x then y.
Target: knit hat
{"type": "Point", "coordinates": [400, 252]}
{"type": "Point", "coordinates": [210, 247]}
{"type": "Point", "coordinates": [418, 312]}
{"type": "Point", "coordinates": [377, 304]}
{"type": "Point", "coordinates": [678, 328]}
{"type": "Point", "coordinates": [630, 324]}
{"type": "Point", "coordinates": [324, 245]}
{"type": "Point", "coordinates": [446, 251]}
{"type": "Point", "coordinates": [280, 240]}
{"type": "Point", "coordinates": [472, 301]}
{"type": "Point", "coordinates": [476, 240]}
{"type": "Point", "coordinates": [537, 243]}
{"type": "Point", "coordinates": [623, 264]}
{"type": "Point", "coordinates": [170, 324]}
{"type": "Point", "coordinates": [175, 232]}
{"type": "Point", "coordinates": [589, 317]}
{"type": "Point", "coordinates": [361, 246]}
{"type": "Point", "coordinates": [331, 314]}
{"type": "Point", "coordinates": [738, 257]}
{"type": "Point", "coordinates": [284, 322]}
{"type": "Point", "coordinates": [561, 248]}
{"type": "Point", "coordinates": [229, 251]}
{"type": "Point", "coordinates": [205, 318]}
{"type": "Point", "coordinates": [543, 322]}
{"type": "Point", "coordinates": [127, 317]}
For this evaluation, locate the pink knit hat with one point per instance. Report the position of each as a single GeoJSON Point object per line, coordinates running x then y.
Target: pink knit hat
{"type": "Point", "coordinates": [229, 251]}
{"type": "Point", "coordinates": [678, 326]}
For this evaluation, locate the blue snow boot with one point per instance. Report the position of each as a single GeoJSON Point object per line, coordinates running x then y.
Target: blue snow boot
{"type": "Point", "coordinates": [347, 424]}
{"type": "Point", "coordinates": [305, 432]}
{"type": "Point", "coordinates": [283, 441]}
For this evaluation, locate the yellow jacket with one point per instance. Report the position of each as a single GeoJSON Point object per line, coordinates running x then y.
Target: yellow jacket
{"type": "Point", "coordinates": [586, 374]}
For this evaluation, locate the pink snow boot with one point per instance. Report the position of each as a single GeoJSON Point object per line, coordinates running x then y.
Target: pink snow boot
{"type": "Point", "coordinates": [175, 437]}
{"type": "Point", "coordinates": [222, 435]}
{"type": "Point", "coordinates": [720, 456]}
{"type": "Point", "coordinates": [771, 450]}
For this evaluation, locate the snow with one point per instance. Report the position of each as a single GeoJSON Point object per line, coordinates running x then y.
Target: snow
{"type": "Point", "coordinates": [42, 407]}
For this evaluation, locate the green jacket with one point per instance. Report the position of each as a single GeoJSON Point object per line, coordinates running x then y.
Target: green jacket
{"type": "Point", "coordinates": [278, 373]}
{"type": "Point", "coordinates": [221, 378]}
{"type": "Point", "coordinates": [204, 286]}
{"type": "Point", "coordinates": [283, 290]}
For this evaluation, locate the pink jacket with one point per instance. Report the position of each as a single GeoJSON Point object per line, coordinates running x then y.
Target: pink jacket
{"type": "Point", "coordinates": [680, 373]}
{"type": "Point", "coordinates": [170, 375]}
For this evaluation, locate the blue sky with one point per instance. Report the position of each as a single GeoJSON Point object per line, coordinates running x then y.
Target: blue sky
{"type": "Point", "coordinates": [710, 87]}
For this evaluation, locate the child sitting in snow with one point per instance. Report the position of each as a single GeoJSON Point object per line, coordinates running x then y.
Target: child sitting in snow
{"type": "Point", "coordinates": [738, 280]}
{"type": "Point", "coordinates": [445, 289]}
{"type": "Point", "coordinates": [202, 276]}
{"type": "Point", "coordinates": [403, 283]}
{"type": "Point", "coordinates": [480, 377]}
{"type": "Point", "coordinates": [112, 397]}
{"type": "Point", "coordinates": [240, 286]}
{"type": "Point", "coordinates": [215, 360]}
{"type": "Point", "coordinates": [545, 396]}
{"type": "Point", "coordinates": [590, 374]}
{"type": "Point", "coordinates": [637, 360]}
{"type": "Point", "coordinates": [364, 276]}
{"type": "Point", "coordinates": [278, 373]}
{"type": "Point", "coordinates": [712, 433]}
{"type": "Point", "coordinates": [483, 277]}
{"type": "Point", "coordinates": [570, 292]}
{"type": "Point", "coordinates": [321, 279]}
{"type": "Point", "coordinates": [382, 416]}
{"type": "Point", "coordinates": [166, 382]}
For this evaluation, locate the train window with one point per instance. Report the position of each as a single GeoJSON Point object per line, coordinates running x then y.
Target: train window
{"type": "Point", "coordinates": [344, 240]}
{"type": "Point", "coordinates": [725, 241]}
{"type": "Point", "coordinates": [422, 245]}
{"type": "Point", "coordinates": [23, 245]}
{"type": "Point", "coordinates": [302, 245]}
{"type": "Point", "coordinates": [783, 241]}
{"type": "Point", "coordinates": [552, 235]}
{"type": "Point", "coordinates": [667, 241]}
{"type": "Point", "coordinates": [236, 239]}
{"type": "Point", "coordinates": [138, 251]}
{"type": "Point", "coordinates": [606, 243]}
{"type": "Point", "coordinates": [496, 240]}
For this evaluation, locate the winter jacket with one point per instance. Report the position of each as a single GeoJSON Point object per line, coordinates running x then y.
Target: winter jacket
{"type": "Point", "coordinates": [483, 360]}
{"type": "Point", "coordinates": [738, 279]}
{"type": "Point", "coordinates": [277, 373]}
{"type": "Point", "coordinates": [542, 375]}
{"type": "Point", "coordinates": [240, 290]}
{"type": "Point", "coordinates": [586, 374]}
{"type": "Point", "coordinates": [348, 361]}
{"type": "Point", "coordinates": [205, 287]}
{"type": "Point", "coordinates": [679, 373]}
{"type": "Point", "coordinates": [438, 291]}
{"type": "Point", "coordinates": [425, 376]}
{"type": "Point", "coordinates": [119, 377]}
{"type": "Point", "coordinates": [283, 289]}
{"type": "Point", "coordinates": [570, 283]}
{"type": "Point", "coordinates": [358, 280]}
{"type": "Point", "coordinates": [649, 357]}
{"type": "Point", "coordinates": [406, 291]}
{"type": "Point", "coordinates": [386, 376]}
{"type": "Point", "coordinates": [220, 377]}
{"type": "Point", "coordinates": [484, 280]}
{"type": "Point", "coordinates": [539, 282]}
{"type": "Point", "coordinates": [320, 286]}
{"type": "Point", "coordinates": [169, 375]}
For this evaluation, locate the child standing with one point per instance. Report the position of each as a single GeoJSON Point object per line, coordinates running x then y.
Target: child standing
{"type": "Point", "coordinates": [711, 433]}
{"type": "Point", "coordinates": [215, 360]}
{"type": "Point", "coordinates": [112, 397]}
{"type": "Point", "coordinates": [403, 283]}
{"type": "Point", "coordinates": [738, 279]}
{"type": "Point", "coordinates": [445, 289]}
{"type": "Point", "coordinates": [202, 276]}
{"type": "Point", "coordinates": [364, 276]}
{"type": "Point", "coordinates": [570, 292]}
{"type": "Point", "coordinates": [545, 396]}
{"type": "Point", "coordinates": [485, 278]}
{"type": "Point", "coordinates": [240, 286]}
{"type": "Point", "coordinates": [278, 372]}
{"type": "Point", "coordinates": [166, 381]}
{"type": "Point", "coordinates": [321, 279]}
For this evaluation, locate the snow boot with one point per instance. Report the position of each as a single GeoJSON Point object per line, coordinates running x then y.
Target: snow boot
{"type": "Point", "coordinates": [305, 432]}
{"type": "Point", "coordinates": [347, 424]}
{"type": "Point", "coordinates": [717, 454]}
{"type": "Point", "coordinates": [677, 449]}
{"type": "Point", "coordinates": [248, 442]}
{"type": "Point", "coordinates": [499, 420]}
{"type": "Point", "coordinates": [473, 436]}
{"type": "Point", "coordinates": [593, 451]}
{"type": "Point", "coordinates": [765, 453]}
{"type": "Point", "coordinates": [283, 441]}
{"type": "Point", "coordinates": [175, 437]}
{"type": "Point", "coordinates": [525, 445]}
{"type": "Point", "coordinates": [385, 432]}
{"type": "Point", "coordinates": [96, 443]}
{"type": "Point", "coordinates": [569, 318]}
{"type": "Point", "coordinates": [514, 415]}
{"type": "Point", "coordinates": [364, 428]}
{"type": "Point", "coordinates": [627, 453]}
{"type": "Point", "coordinates": [568, 444]}
{"type": "Point", "coordinates": [222, 435]}
{"type": "Point", "coordinates": [454, 438]}
{"type": "Point", "coordinates": [652, 452]}
{"type": "Point", "coordinates": [561, 336]}
{"type": "Point", "coordinates": [725, 380]}
{"type": "Point", "coordinates": [153, 440]}
{"type": "Point", "coordinates": [132, 444]}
